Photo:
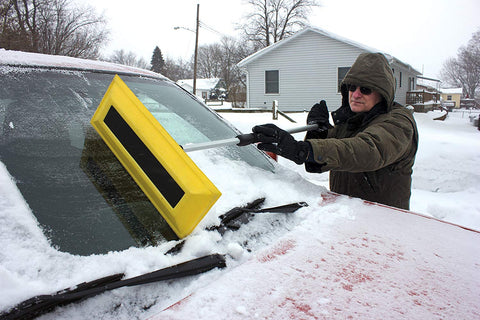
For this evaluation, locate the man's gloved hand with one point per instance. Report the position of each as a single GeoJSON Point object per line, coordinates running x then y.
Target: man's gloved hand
{"type": "Point", "coordinates": [273, 139]}
{"type": "Point", "coordinates": [319, 115]}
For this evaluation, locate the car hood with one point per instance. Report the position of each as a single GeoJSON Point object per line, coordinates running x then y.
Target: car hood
{"type": "Point", "coordinates": [365, 261]}
{"type": "Point", "coordinates": [337, 256]}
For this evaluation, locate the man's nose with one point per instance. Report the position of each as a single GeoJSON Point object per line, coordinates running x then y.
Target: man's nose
{"type": "Point", "coordinates": [357, 92]}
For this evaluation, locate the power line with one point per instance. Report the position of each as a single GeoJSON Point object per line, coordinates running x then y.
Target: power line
{"type": "Point", "coordinates": [205, 26]}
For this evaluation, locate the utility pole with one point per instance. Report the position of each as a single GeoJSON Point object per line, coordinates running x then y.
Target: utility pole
{"type": "Point", "coordinates": [196, 52]}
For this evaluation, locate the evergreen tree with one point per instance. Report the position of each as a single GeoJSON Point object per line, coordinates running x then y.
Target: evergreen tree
{"type": "Point", "coordinates": [157, 61]}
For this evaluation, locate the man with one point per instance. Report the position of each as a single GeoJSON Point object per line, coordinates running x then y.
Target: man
{"type": "Point", "coordinates": [371, 149]}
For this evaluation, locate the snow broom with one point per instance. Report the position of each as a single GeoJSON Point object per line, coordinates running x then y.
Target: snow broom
{"type": "Point", "coordinates": [173, 183]}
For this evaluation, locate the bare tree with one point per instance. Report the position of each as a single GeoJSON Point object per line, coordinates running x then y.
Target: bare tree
{"type": "Point", "coordinates": [128, 59]}
{"type": "Point", "coordinates": [234, 50]}
{"type": "Point", "coordinates": [210, 61]}
{"type": "Point", "coordinates": [273, 20]}
{"type": "Point", "coordinates": [18, 21]}
{"type": "Point", "coordinates": [177, 69]}
{"type": "Point", "coordinates": [235, 79]}
{"type": "Point", "coordinates": [464, 70]}
{"type": "Point", "coordinates": [219, 60]}
{"type": "Point", "coordinates": [52, 26]}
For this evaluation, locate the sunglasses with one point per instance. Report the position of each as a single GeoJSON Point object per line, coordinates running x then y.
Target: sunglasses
{"type": "Point", "coordinates": [363, 90]}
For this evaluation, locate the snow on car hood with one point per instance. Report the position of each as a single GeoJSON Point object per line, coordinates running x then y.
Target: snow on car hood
{"type": "Point", "coordinates": [374, 262]}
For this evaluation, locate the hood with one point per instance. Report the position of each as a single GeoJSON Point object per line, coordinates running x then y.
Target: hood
{"type": "Point", "coordinates": [371, 70]}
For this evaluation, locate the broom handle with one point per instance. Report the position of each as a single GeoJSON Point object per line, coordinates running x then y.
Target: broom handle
{"type": "Point", "coordinates": [240, 140]}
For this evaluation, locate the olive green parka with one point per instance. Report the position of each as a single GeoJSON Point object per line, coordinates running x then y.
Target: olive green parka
{"type": "Point", "coordinates": [370, 155]}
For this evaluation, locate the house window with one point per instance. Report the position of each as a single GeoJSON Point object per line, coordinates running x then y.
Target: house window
{"type": "Point", "coordinates": [449, 97]}
{"type": "Point", "coordinates": [400, 79]}
{"type": "Point", "coordinates": [342, 72]}
{"type": "Point", "coordinates": [271, 81]}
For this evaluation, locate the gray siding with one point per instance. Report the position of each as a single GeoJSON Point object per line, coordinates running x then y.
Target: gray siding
{"type": "Point", "coordinates": [401, 88]}
{"type": "Point", "coordinates": [308, 68]}
{"type": "Point", "coordinates": [307, 71]}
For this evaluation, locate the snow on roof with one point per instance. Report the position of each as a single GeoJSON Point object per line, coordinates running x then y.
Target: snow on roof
{"type": "Point", "coordinates": [452, 91]}
{"type": "Point", "coordinates": [201, 84]}
{"type": "Point", "coordinates": [323, 32]}
{"type": "Point", "coordinates": [429, 83]}
{"type": "Point", "coordinates": [19, 58]}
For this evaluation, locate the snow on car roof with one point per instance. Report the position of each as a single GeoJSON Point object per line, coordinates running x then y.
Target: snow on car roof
{"type": "Point", "coordinates": [19, 58]}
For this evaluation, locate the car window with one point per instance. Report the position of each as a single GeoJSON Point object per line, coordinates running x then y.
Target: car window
{"type": "Point", "coordinates": [80, 194]}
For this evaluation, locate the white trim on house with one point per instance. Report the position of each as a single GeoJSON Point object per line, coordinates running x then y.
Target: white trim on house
{"type": "Point", "coordinates": [452, 91]}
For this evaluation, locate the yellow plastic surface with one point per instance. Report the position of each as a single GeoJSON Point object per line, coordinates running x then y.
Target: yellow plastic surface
{"type": "Point", "coordinates": [200, 194]}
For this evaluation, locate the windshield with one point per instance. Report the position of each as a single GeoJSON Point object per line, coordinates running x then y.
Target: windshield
{"type": "Point", "coordinates": [80, 194]}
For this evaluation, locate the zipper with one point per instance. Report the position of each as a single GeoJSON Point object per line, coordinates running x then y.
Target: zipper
{"type": "Point", "coordinates": [367, 180]}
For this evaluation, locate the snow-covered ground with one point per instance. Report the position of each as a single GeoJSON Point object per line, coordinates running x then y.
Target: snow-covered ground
{"type": "Point", "coordinates": [446, 175]}
{"type": "Point", "coordinates": [446, 185]}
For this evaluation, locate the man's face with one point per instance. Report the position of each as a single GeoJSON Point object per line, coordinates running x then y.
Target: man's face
{"type": "Point", "coordinates": [362, 102]}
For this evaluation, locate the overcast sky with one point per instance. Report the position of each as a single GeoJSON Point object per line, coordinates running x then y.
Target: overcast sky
{"type": "Point", "coordinates": [422, 33]}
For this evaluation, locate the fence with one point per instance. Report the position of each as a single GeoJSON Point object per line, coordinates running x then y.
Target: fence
{"type": "Point", "coordinates": [274, 111]}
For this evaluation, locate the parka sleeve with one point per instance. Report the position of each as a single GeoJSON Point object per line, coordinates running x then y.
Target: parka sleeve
{"type": "Point", "coordinates": [384, 141]}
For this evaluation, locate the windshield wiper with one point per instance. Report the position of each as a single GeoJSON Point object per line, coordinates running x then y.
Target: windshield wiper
{"type": "Point", "coordinates": [234, 218]}
{"type": "Point", "coordinates": [36, 306]}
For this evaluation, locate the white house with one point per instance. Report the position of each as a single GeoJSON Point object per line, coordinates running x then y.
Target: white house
{"type": "Point", "coordinates": [205, 88]}
{"type": "Point", "coordinates": [308, 67]}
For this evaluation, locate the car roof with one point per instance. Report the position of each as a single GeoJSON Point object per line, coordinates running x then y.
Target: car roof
{"type": "Point", "coordinates": [28, 59]}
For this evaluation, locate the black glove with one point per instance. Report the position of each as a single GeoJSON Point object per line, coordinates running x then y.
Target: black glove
{"type": "Point", "coordinates": [273, 139]}
{"type": "Point", "coordinates": [319, 115]}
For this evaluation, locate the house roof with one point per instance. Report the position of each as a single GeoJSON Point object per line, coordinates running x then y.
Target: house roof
{"type": "Point", "coordinates": [452, 91]}
{"type": "Point", "coordinates": [429, 83]}
{"type": "Point", "coordinates": [201, 84]}
{"type": "Point", "coordinates": [323, 32]}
